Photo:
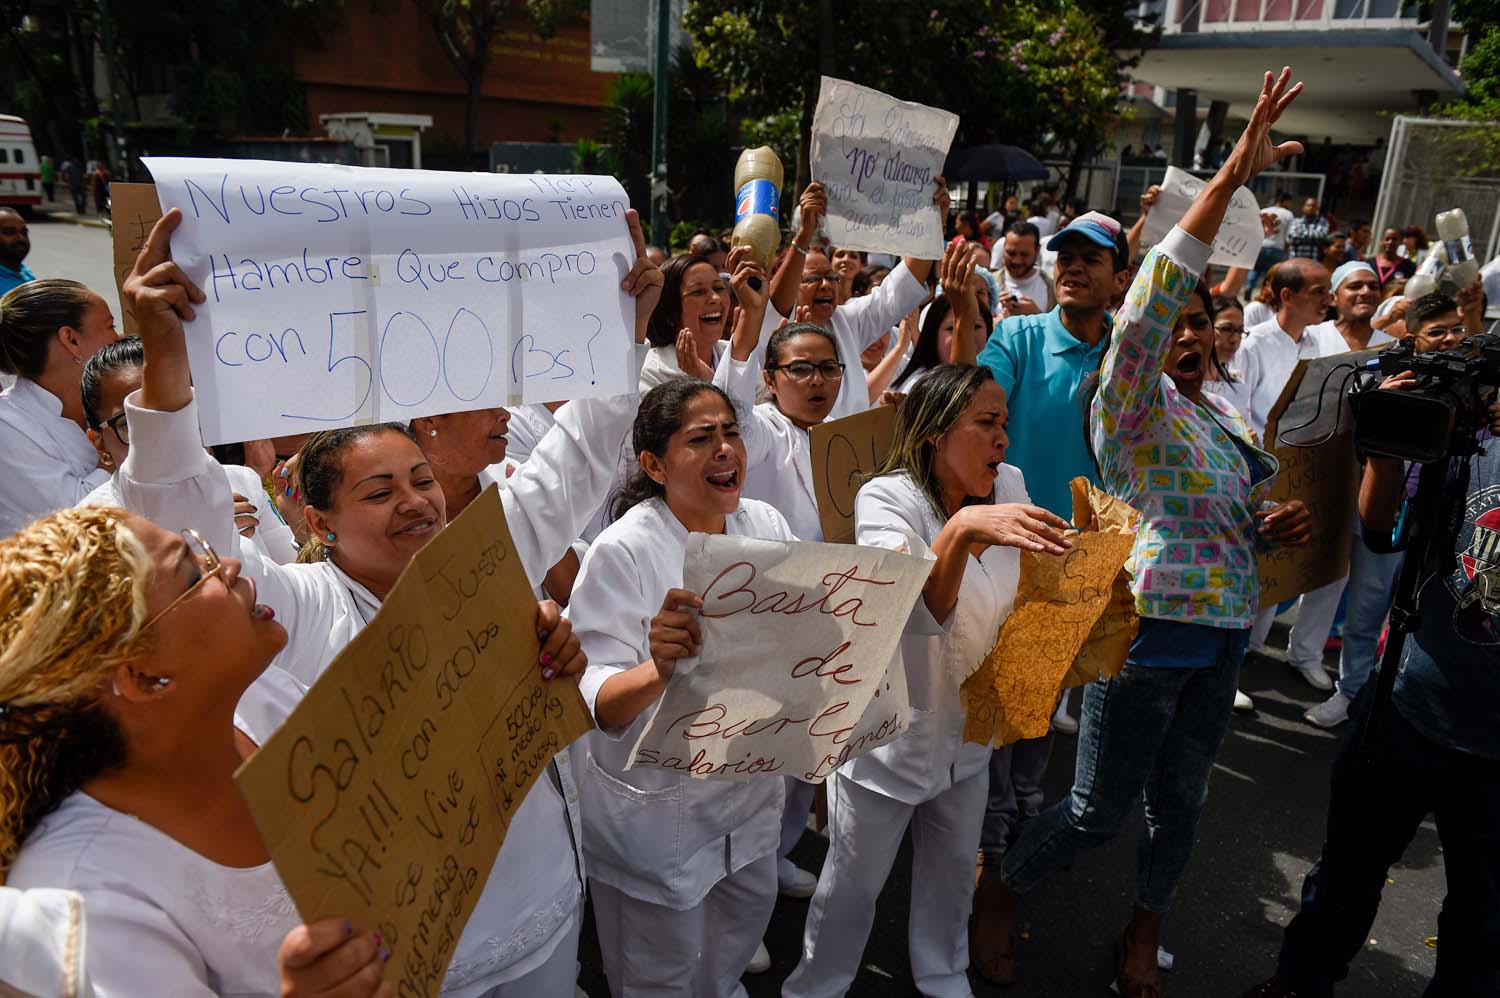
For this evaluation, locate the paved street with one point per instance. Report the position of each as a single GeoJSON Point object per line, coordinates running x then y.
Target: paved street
{"type": "Point", "coordinates": [1261, 833]}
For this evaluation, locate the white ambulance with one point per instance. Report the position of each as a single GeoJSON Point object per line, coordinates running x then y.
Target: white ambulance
{"type": "Point", "coordinates": [20, 170]}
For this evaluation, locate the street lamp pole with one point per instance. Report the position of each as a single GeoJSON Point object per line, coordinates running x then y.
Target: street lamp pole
{"type": "Point", "coordinates": [659, 234]}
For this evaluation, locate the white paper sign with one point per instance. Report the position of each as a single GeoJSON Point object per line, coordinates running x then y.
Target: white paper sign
{"type": "Point", "coordinates": [801, 667]}
{"type": "Point", "coordinates": [342, 295]}
{"type": "Point", "coordinates": [1238, 241]}
{"type": "Point", "coordinates": [878, 156]}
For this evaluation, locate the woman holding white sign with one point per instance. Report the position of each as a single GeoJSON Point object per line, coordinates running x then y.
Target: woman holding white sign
{"type": "Point", "coordinates": [944, 486]}
{"type": "Point", "coordinates": [682, 870]}
{"type": "Point", "coordinates": [372, 503]}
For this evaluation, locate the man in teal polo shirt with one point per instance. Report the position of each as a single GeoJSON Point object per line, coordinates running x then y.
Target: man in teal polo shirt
{"type": "Point", "coordinates": [15, 243]}
{"type": "Point", "coordinates": [1042, 362]}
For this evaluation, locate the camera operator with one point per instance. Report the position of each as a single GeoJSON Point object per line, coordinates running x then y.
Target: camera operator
{"type": "Point", "coordinates": [1438, 751]}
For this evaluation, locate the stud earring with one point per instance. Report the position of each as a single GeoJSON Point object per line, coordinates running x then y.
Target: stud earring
{"type": "Point", "coordinates": [432, 433]}
{"type": "Point", "coordinates": [330, 537]}
{"type": "Point", "coordinates": [161, 683]}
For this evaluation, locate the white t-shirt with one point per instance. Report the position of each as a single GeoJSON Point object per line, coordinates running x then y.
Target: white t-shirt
{"type": "Point", "coordinates": [1267, 358]}
{"type": "Point", "coordinates": [1277, 239]}
{"type": "Point", "coordinates": [1044, 225]}
{"type": "Point", "coordinates": [1258, 313]}
{"type": "Point", "coordinates": [1033, 286]}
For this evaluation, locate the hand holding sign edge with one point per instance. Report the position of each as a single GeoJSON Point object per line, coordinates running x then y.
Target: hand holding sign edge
{"type": "Point", "coordinates": [161, 297]}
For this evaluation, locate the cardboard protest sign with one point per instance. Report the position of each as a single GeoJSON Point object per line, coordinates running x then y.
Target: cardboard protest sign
{"type": "Point", "coordinates": [1104, 650]}
{"type": "Point", "coordinates": [845, 453]}
{"type": "Point", "coordinates": [878, 156]}
{"type": "Point", "coordinates": [342, 295]}
{"type": "Point", "coordinates": [800, 670]}
{"type": "Point", "coordinates": [1311, 431]}
{"type": "Point", "coordinates": [386, 796]}
{"type": "Point", "coordinates": [133, 211]}
{"type": "Point", "coordinates": [1238, 240]}
{"type": "Point", "coordinates": [1059, 601]}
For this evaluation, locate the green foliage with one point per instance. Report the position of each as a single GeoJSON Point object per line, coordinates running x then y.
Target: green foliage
{"type": "Point", "coordinates": [627, 129]}
{"type": "Point", "coordinates": [592, 157]}
{"type": "Point", "coordinates": [1476, 151]}
{"type": "Point", "coordinates": [682, 234]}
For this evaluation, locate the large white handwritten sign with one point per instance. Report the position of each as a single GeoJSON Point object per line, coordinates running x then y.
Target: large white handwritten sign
{"type": "Point", "coordinates": [1237, 242]}
{"type": "Point", "coordinates": [341, 295]}
{"type": "Point", "coordinates": [801, 669]}
{"type": "Point", "coordinates": [385, 796]}
{"type": "Point", "coordinates": [878, 157]}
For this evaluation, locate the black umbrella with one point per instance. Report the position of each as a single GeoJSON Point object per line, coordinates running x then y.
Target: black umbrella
{"type": "Point", "coordinates": [995, 161]}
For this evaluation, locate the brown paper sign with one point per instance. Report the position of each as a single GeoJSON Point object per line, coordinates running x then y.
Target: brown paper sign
{"type": "Point", "coordinates": [1059, 600]}
{"type": "Point", "coordinates": [1104, 650]}
{"type": "Point", "coordinates": [134, 210]}
{"type": "Point", "coordinates": [386, 796]}
{"type": "Point", "coordinates": [845, 453]}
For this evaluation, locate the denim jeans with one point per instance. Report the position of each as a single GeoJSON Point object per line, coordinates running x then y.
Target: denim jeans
{"type": "Point", "coordinates": [1016, 773]}
{"type": "Point", "coordinates": [1372, 583]}
{"type": "Point", "coordinates": [1373, 814]}
{"type": "Point", "coordinates": [1147, 732]}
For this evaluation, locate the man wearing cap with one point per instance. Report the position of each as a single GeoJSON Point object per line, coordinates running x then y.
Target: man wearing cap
{"type": "Point", "coordinates": [1372, 576]}
{"type": "Point", "coordinates": [1042, 361]}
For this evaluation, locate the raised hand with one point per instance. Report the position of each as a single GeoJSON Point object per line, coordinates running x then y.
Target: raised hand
{"type": "Point", "coordinates": [644, 281]}
{"type": "Point", "coordinates": [812, 207]}
{"type": "Point", "coordinates": [752, 288]}
{"type": "Point", "coordinates": [1255, 151]}
{"type": "Point", "coordinates": [687, 357]}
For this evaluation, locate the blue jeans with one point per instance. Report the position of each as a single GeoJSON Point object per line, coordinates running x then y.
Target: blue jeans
{"type": "Point", "coordinates": [1151, 732]}
{"type": "Point", "coordinates": [1373, 813]}
{"type": "Point", "coordinates": [1372, 583]}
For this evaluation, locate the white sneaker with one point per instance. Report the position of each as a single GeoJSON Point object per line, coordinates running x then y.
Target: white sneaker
{"type": "Point", "coordinates": [761, 961]}
{"type": "Point", "coordinates": [1330, 713]}
{"type": "Point", "coordinates": [1064, 724]}
{"type": "Point", "coordinates": [1242, 701]}
{"type": "Point", "coordinates": [1317, 677]}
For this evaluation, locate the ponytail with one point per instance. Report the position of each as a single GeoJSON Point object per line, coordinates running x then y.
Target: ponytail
{"type": "Point", "coordinates": [30, 316]}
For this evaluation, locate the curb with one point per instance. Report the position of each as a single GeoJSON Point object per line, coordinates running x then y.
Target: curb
{"type": "Point", "coordinates": [72, 219]}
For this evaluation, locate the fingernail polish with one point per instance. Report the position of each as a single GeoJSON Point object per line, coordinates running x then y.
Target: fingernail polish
{"type": "Point", "coordinates": [348, 927]}
{"type": "Point", "coordinates": [288, 490]}
{"type": "Point", "coordinates": [546, 658]}
{"type": "Point", "coordinates": [385, 955]}
{"type": "Point", "coordinates": [377, 940]}
{"type": "Point", "coordinates": [548, 673]}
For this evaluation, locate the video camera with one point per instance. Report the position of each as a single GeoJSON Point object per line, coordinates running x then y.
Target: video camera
{"type": "Point", "coordinates": [1442, 415]}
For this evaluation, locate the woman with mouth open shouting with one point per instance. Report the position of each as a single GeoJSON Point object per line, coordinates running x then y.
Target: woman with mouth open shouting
{"type": "Point", "coordinates": [944, 486]}
{"type": "Point", "coordinates": [372, 503]}
{"type": "Point", "coordinates": [690, 324]}
{"type": "Point", "coordinates": [682, 870]}
{"type": "Point", "coordinates": [1183, 458]}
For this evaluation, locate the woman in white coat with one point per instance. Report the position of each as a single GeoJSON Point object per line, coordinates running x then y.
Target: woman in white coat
{"type": "Point", "coordinates": [48, 330]}
{"type": "Point", "coordinates": [944, 487]}
{"type": "Point", "coordinates": [372, 503]}
{"type": "Point", "coordinates": [682, 870]}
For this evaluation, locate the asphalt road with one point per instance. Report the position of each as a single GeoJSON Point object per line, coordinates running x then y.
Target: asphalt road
{"type": "Point", "coordinates": [1261, 833]}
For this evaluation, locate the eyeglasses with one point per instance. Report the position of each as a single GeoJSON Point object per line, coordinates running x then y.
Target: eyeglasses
{"type": "Point", "coordinates": [717, 289]}
{"type": "Point", "coordinates": [802, 370]}
{"type": "Point", "coordinates": [1229, 329]}
{"type": "Point", "coordinates": [810, 279]}
{"type": "Point", "coordinates": [212, 567]}
{"type": "Point", "coordinates": [1441, 332]}
{"type": "Point", "coordinates": [121, 428]}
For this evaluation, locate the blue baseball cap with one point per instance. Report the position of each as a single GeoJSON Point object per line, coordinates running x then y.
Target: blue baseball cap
{"type": "Point", "coordinates": [1100, 229]}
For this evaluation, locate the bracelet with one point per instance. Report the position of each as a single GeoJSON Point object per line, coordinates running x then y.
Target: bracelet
{"type": "Point", "coordinates": [800, 248]}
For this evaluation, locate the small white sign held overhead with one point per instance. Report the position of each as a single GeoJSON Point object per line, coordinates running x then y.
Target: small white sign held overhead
{"type": "Point", "coordinates": [878, 157]}
{"type": "Point", "coordinates": [1238, 240]}
{"type": "Point", "coordinates": [341, 295]}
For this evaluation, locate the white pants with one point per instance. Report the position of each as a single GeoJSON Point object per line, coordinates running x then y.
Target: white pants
{"type": "Point", "coordinates": [1316, 611]}
{"type": "Point", "coordinates": [799, 800]}
{"type": "Point", "coordinates": [557, 977]}
{"type": "Point", "coordinates": [651, 951]}
{"type": "Point", "coordinates": [865, 830]}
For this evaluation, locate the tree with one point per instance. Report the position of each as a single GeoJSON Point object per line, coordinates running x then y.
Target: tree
{"type": "Point", "coordinates": [1476, 151]}
{"type": "Point", "coordinates": [467, 30]}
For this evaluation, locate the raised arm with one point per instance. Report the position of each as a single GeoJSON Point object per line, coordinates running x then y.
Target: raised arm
{"type": "Point", "coordinates": [922, 269]}
{"type": "Point", "coordinates": [813, 206]}
{"type": "Point", "coordinates": [956, 275]}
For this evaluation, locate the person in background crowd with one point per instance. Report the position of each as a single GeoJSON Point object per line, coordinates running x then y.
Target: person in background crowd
{"type": "Point", "coordinates": [48, 330]}
{"type": "Point", "coordinates": [1356, 294]}
{"type": "Point", "coordinates": [119, 738]}
{"type": "Point", "coordinates": [881, 370]}
{"type": "Point", "coordinates": [688, 326]}
{"type": "Point", "coordinates": [15, 244]}
{"type": "Point", "coordinates": [1390, 314]}
{"type": "Point", "coordinates": [1357, 247]}
{"type": "Point", "coordinates": [1437, 752]}
{"type": "Point", "coordinates": [1024, 290]}
{"type": "Point", "coordinates": [1414, 244]}
{"type": "Point", "coordinates": [957, 308]}
{"type": "Point", "coordinates": [944, 483]}
{"type": "Point", "coordinates": [1390, 263]}
{"type": "Point", "coordinates": [710, 248]}
{"type": "Point", "coordinates": [846, 263]}
{"type": "Point", "coordinates": [1000, 220]}
{"type": "Point", "coordinates": [656, 255]}
{"type": "Point", "coordinates": [49, 178]}
{"type": "Point", "coordinates": [1276, 222]}
{"type": "Point", "coordinates": [1334, 253]}
{"type": "Point", "coordinates": [1229, 330]}
{"type": "Point", "coordinates": [1306, 235]}
{"type": "Point", "coordinates": [99, 178]}
{"type": "Point", "coordinates": [77, 187]}
{"type": "Point", "coordinates": [966, 227]}
{"type": "Point", "coordinates": [1039, 217]}
{"type": "Point", "coordinates": [1154, 729]}
{"type": "Point", "coordinates": [682, 870]}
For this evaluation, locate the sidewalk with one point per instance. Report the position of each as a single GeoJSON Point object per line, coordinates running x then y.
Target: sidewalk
{"type": "Point", "coordinates": [61, 210]}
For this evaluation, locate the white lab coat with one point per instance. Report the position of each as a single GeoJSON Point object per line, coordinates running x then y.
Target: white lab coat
{"type": "Point", "coordinates": [656, 836]}
{"type": "Point", "coordinates": [855, 325]}
{"type": "Point", "coordinates": [48, 462]}
{"type": "Point", "coordinates": [533, 898]}
{"type": "Point", "coordinates": [273, 538]}
{"type": "Point", "coordinates": [929, 778]}
{"type": "Point", "coordinates": [1266, 359]}
{"type": "Point", "coordinates": [778, 453]}
{"type": "Point", "coordinates": [528, 424]}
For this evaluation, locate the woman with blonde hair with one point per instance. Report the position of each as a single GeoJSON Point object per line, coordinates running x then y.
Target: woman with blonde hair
{"type": "Point", "coordinates": [119, 740]}
{"type": "Point", "coordinates": [944, 486]}
{"type": "Point", "coordinates": [48, 331]}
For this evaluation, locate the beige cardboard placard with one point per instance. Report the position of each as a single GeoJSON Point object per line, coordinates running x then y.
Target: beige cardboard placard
{"type": "Point", "coordinates": [800, 670]}
{"type": "Point", "coordinates": [845, 453]}
{"type": "Point", "coordinates": [386, 796]}
{"type": "Point", "coordinates": [1104, 650]}
{"type": "Point", "coordinates": [1060, 601]}
{"type": "Point", "coordinates": [134, 210]}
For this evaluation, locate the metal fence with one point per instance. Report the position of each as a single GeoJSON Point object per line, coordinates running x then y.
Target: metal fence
{"type": "Point", "coordinates": [1433, 165]}
{"type": "Point", "coordinates": [1134, 180]}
